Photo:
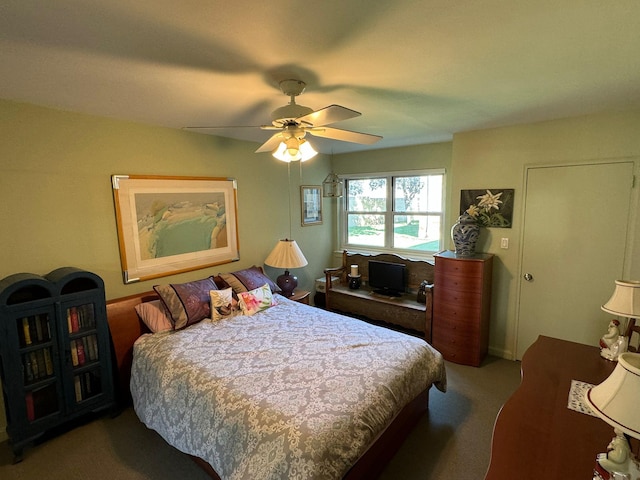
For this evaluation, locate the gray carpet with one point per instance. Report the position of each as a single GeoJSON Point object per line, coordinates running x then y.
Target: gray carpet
{"type": "Point", "coordinates": [452, 441]}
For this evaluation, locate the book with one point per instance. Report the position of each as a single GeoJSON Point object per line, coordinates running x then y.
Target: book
{"type": "Point", "coordinates": [75, 326]}
{"type": "Point", "coordinates": [26, 331]}
{"type": "Point", "coordinates": [28, 372]}
{"type": "Point", "coordinates": [42, 368]}
{"type": "Point", "coordinates": [74, 353]}
{"type": "Point", "coordinates": [34, 366]}
{"type": "Point", "coordinates": [48, 364]}
{"type": "Point", "coordinates": [38, 321]}
{"type": "Point", "coordinates": [31, 413]}
{"type": "Point", "coordinates": [80, 350]}
{"type": "Point", "coordinates": [78, 388]}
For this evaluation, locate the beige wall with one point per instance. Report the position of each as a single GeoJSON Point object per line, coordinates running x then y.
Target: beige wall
{"type": "Point", "coordinates": [496, 158]}
{"type": "Point", "coordinates": [417, 157]}
{"type": "Point", "coordinates": [56, 201]}
{"type": "Point", "coordinates": [57, 207]}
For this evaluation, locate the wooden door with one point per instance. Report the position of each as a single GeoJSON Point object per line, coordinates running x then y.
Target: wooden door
{"type": "Point", "coordinates": [574, 236]}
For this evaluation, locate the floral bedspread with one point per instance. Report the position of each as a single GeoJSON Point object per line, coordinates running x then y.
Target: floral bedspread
{"type": "Point", "coordinates": [291, 392]}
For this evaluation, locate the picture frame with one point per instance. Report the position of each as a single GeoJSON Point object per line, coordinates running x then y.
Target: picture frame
{"type": "Point", "coordinates": [170, 225]}
{"type": "Point", "coordinates": [491, 207]}
{"type": "Point", "coordinates": [311, 204]}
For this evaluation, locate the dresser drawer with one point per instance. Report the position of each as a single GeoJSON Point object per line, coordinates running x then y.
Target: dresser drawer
{"type": "Point", "coordinates": [467, 268]}
{"type": "Point", "coordinates": [468, 354]}
{"type": "Point", "coordinates": [460, 284]}
{"type": "Point", "coordinates": [458, 346]}
{"type": "Point", "coordinates": [448, 314]}
{"type": "Point", "coordinates": [457, 297]}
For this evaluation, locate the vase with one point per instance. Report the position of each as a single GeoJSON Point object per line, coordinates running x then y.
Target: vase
{"type": "Point", "coordinates": [464, 234]}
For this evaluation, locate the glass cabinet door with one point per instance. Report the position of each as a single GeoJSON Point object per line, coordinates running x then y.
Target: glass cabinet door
{"type": "Point", "coordinates": [84, 355]}
{"type": "Point", "coordinates": [37, 352]}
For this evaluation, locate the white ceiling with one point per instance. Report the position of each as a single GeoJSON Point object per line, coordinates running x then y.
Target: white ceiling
{"type": "Point", "coordinates": [418, 70]}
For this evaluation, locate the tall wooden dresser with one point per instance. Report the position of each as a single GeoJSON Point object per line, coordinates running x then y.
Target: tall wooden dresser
{"type": "Point", "coordinates": [462, 307]}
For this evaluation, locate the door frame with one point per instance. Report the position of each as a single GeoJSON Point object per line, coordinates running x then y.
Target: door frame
{"type": "Point", "coordinates": [632, 231]}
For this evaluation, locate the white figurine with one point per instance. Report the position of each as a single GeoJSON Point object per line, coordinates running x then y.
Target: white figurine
{"type": "Point", "coordinates": [619, 459]}
{"type": "Point", "coordinates": [612, 343]}
{"type": "Point", "coordinates": [612, 334]}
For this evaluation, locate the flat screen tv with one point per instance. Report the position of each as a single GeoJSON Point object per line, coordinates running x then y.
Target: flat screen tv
{"type": "Point", "coordinates": [387, 278]}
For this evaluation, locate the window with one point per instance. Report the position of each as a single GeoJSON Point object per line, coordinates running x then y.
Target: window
{"type": "Point", "coordinates": [400, 211]}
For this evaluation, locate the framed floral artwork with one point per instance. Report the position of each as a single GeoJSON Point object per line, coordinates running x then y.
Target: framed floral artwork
{"type": "Point", "coordinates": [490, 207]}
{"type": "Point", "coordinates": [169, 225]}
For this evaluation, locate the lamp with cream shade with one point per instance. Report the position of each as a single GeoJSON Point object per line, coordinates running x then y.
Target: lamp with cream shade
{"type": "Point", "coordinates": [287, 255]}
{"type": "Point", "coordinates": [616, 401]}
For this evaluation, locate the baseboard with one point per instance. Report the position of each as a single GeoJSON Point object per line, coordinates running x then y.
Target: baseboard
{"type": "Point", "coordinates": [501, 353]}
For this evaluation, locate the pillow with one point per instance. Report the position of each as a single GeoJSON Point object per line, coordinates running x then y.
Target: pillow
{"type": "Point", "coordinates": [154, 315]}
{"type": "Point", "coordinates": [223, 304]}
{"type": "Point", "coordinates": [248, 279]}
{"type": "Point", "coordinates": [187, 303]}
{"type": "Point", "coordinates": [256, 300]}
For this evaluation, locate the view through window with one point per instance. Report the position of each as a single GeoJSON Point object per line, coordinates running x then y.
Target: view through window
{"type": "Point", "coordinates": [402, 211]}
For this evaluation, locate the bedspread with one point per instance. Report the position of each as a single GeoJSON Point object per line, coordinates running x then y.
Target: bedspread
{"type": "Point", "coordinates": [291, 392]}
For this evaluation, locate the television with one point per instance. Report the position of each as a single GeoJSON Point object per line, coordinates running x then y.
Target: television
{"type": "Point", "coordinates": [387, 278]}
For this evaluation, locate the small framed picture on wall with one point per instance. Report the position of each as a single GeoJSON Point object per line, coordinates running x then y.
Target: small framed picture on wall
{"type": "Point", "coordinates": [311, 204]}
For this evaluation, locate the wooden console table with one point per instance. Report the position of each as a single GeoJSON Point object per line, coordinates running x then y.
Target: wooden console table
{"type": "Point", "coordinates": [535, 435]}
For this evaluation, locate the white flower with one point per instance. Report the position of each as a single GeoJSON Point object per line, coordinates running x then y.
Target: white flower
{"type": "Point", "coordinates": [489, 200]}
{"type": "Point", "coordinates": [473, 210]}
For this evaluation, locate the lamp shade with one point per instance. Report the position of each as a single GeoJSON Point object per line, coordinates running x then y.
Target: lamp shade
{"type": "Point", "coordinates": [293, 150]}
{"type": "Point", "coordinates": [286, 254]}
{"type": "Point", "coordinates": [625, 301]}
{"type": "Point", "coordinates": [616, 399]}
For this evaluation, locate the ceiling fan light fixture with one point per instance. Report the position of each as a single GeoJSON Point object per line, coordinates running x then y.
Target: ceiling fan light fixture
{"type": "Point", "coordinates": [293, 146]}
{"type": "Point", "coordinates": [282, 153]}
{"type": "Point", "coordinates": [303, 151]}
{"type": "Point", "coordinates": [307, 151]}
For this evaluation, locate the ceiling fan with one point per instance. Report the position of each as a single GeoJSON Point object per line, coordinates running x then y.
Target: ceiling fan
{"type": "Point", "coordinates": [292, 122]}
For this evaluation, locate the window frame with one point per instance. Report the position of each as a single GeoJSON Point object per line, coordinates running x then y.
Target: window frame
{"type": "Point", "coordinates": [389, 213]}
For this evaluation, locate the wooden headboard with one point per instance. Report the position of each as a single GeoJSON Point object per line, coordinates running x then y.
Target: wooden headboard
{"type": "Point", "coordinates": [125, 327]}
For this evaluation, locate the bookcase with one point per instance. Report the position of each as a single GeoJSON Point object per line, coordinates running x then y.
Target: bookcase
{"type": "Point", "coordinates": [55, 351]}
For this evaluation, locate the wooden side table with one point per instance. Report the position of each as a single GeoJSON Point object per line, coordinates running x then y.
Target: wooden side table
{"type": "Point", "coordinates": [300, 296]}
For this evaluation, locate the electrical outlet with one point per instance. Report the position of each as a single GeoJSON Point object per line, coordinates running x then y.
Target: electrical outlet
{"type": "Point", "coordinates": [504, 243]}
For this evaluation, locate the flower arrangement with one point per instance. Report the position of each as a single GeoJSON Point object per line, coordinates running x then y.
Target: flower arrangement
{"type": "Point", "coordinates": [486, 211]}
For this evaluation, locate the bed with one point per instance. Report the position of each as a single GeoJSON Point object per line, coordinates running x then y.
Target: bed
{"type": "Point", "coordinates": [289, 391]}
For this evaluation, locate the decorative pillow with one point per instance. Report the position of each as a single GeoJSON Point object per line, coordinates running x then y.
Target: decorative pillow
{"type": "Point", "coordinates": [256, 300]}
{"type": "Point", "coordinates": [154, 315]}
{"type": "Point", "coordinates": [223, 304]}
{"type": "Point", "coordinates": [248, 279]}
{"type": "Point", "coordinates": [187, 303]}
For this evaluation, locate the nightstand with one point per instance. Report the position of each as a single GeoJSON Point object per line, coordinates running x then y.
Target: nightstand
{"type": "Point", "coordinates": [301, 296]}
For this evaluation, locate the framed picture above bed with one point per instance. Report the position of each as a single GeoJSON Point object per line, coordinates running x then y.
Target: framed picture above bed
{"type": "Point", "coordinates": [169, 225]}
{"type": "Point", "coordinates": [311, 204]}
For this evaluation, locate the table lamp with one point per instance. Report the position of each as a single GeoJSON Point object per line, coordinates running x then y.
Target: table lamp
{"type": "Point", "coordinates": [286, 254]}
{"type": "Point", "coordinates": [625, 302]}
{"type": "Point", "coordinates": [616, 401]}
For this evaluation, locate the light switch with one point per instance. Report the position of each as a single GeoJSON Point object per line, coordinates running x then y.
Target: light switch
{"type": "Point", "coordinates": [504, 243]}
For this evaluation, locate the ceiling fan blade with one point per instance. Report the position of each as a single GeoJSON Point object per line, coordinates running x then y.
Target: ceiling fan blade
{"type": "Point", "coordinates": [271, 144]}
{"type": "Point", "coordinates": [211, 127]}
{"type": "Point", "coordinates": [327, 115]}
{"type": "Point", "coordinates": [344, 135]}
